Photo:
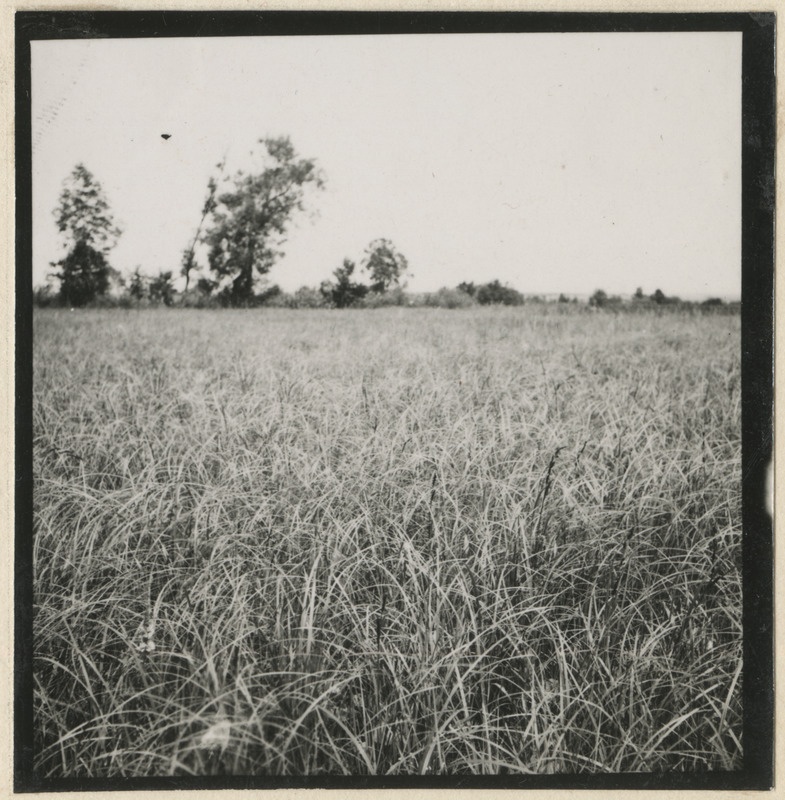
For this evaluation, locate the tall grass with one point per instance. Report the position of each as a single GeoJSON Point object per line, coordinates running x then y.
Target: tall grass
{"type": "Point", "coordinates": [400, 541]}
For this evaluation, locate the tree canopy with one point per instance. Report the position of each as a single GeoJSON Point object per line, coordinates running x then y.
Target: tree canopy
{"type": "Point", "coordinates": [83, 214]}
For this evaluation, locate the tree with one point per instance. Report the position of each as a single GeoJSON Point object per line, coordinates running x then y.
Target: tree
{"type": "Point", "coordinates": [250, 214]}
{"type": "Point", "coordinates": [344, 292]}
{"type": "Point", "coordinates": [385, 265]}
{"type": "Point", "coordinates": [659, 297]}
{"type": "Point", "coordinates": [162, 288]}
{"type": "Point", "coordinates": [82, 215]}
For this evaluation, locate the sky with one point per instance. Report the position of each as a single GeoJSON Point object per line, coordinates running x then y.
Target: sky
{"type": "Point", "coordinates": [551, 162]}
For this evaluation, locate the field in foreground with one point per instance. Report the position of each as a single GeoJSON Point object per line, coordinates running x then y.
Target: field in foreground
{"type": "Point", "coordinates": [386, 542]}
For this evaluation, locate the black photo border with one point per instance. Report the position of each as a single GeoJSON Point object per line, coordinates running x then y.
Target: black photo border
{"type": "Point", "coordinates": [757, 318]}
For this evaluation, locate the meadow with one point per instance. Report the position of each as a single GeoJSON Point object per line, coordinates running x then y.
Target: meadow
{"type": "Point", "coordinates": [386, 542]}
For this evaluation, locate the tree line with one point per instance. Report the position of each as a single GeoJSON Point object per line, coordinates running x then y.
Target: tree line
{"type": "Point", "coordinates": [242, 228]}
{"type": "Point", "coordinates": [240, 234]}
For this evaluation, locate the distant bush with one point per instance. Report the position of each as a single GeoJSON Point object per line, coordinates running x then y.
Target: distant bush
{"type": "Point", "coordinates": [194, 299]}
{"type": "Point", "coordinates": [304, 297]}
{"type": "Point", "coordinates": [308, 297]}
{"type": "Point", "coordinates": [137, 286]}
{"type": "Point", "coordinates": [714, 305]}
{"type": "Point", "coordinates": [449, 298]}
{"type": "Point", "coordinates": [267, 296]}
{"type": "Point", "coordinates": [280, 300]}
{"type": "Point", "coordinates": [395, 296]}
{"type": "Point", "coordinates": [344, 291]}
{"type": "Point", "coordinates": [161, 289]}
{"type": "Point", "coordinates": [201, 295]}
{"type": "Point", "coordinates": [114, 301]}
{"type": "Point", "coordinates": [494, 293]}
{"type": "Point", "coordinates": [44, 297]}
{"type": "Point", "coordinates": [661, 299]}
{"type": "Point", "coordinates": [228, 298]}
{"type": "Point", "coordinates": [600, 299]}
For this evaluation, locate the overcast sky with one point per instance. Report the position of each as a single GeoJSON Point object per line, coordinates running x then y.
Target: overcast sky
{"type": "Point", "coordinates": [553, 162]}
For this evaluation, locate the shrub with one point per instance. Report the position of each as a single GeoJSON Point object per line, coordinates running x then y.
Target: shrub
{"type": "Point", "coordinates": [344, 292]}
{"type": "Point", "coordinates": [267, 296]}
{"type": "Point", "coordinates": [598, 299]}
{"type": "Point", "coordinates": [280, 300]}
{"type": "Point", "coordinates": [44, 297]}
{"type": "Point", "coordinates": [658, 297]}
{"type": "Point", "coordinates": [308, 297]}
{"type": "Point", "coordinates": [392, 297]}
{"type": "Point", "coordinates": [137, 286]}
{"type": "Point", "coordinates": [449, 298]}
{"type": "Point", "coordinates": [162, 289]}
{"type": "Point", "coordinates": [229, 298]}
{"type": "Point", "coordinates": [114, 301]}
{"type": "Point", "coordinates": [494, 293]}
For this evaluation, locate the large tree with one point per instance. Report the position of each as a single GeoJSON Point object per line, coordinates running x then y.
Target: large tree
{"type": "Point", "coordinates": [89, 232]}
{"type": "Point", "coordinates": [250, 215]}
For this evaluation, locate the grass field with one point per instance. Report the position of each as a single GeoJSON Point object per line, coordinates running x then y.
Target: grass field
{"type": "Point", "coordinates": [386, 542]}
